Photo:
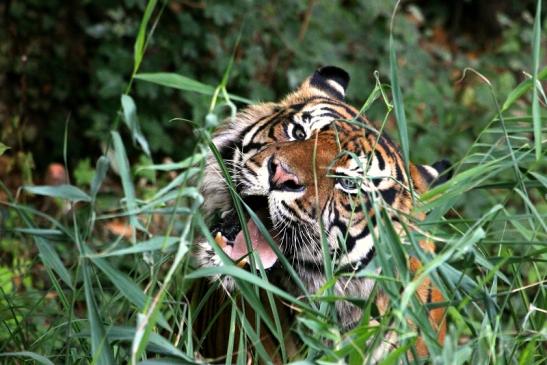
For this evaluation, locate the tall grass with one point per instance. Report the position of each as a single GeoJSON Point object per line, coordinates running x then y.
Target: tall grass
{"type": "Point", "coordinates": [125, 300]}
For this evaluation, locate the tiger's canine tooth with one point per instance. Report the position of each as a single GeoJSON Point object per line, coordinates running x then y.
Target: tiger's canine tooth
{"type": "Point", "coordinates": [220, 240]}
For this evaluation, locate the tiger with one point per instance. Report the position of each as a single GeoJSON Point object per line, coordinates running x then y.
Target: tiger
{"type": "Point", "coordinates": [311, 166]}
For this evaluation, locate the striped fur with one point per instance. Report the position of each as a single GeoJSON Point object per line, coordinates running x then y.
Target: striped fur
{"type": "Point", "coordinates": [340, 165]}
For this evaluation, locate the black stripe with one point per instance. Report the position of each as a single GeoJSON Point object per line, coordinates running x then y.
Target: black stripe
{"type": "Point", "coordinates": [389, 195]}
{"type": "Point", "coordinates": [429, 294]}
{"type": "Point", "coordinates": [380, 158]}
{"type": "Point", "coordinates": [351, 267]}
{"type": "Point", "coordinates": [320, 83]}
{"type": "Point", "coordinates": [290, 209]}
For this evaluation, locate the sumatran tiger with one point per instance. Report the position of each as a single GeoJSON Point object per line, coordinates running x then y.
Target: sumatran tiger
{"type": "Point", "coordinates": [309, 166]}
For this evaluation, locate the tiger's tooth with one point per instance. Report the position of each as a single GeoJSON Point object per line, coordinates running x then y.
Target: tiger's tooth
{"type": "Point", "coordinates": [220, 240]}
{"type": "Point", "coordinates": [242, 263]}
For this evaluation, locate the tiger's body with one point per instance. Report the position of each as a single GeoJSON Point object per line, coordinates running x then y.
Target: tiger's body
{"type": "Point", "coordinates": [311, 165]}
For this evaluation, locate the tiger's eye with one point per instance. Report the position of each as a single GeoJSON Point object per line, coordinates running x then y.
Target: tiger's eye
{"type": "Point", "coordinates": [347, 183]}
{"type": "Point", "coordinates": [299, 133]}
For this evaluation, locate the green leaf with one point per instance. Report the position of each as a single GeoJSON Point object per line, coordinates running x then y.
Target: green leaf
{"type": "Point", "coordinates": [51, 259]}
{"type": "Point", "coordinates": [157, 343]}
{"type": "Point", "coordinates": [153, 244]}
{"type": "Point", "coordinates": [521, 89]}
{"type": "Point", "coordinates": [398, 101]}
{"type": "Point", "coordinates": [536, 47]}
{"type": "Point", "coordinates": [130, 118]}
{"type": "Point", "coordinates": [127, 182]}
{"type": "Point", "coordinates": [125, 285]}
{"type": "Point", "coordinates": [100, 174]}
{"type": "Point", "coordinates": [34, 356]}
{"type": "Point", "coordinates": [141, 36]}
{"type": "Point", "coordinates": [184, 164]}
{"type": "Point", "coordinates": [102, 352]}
{"type": "Point", "coordinates": [184, 83]}
{"type": "Point", "coordinates": [3, 148]}
{"type": "Point", "coordinates": [67, 192]}
{"type": "Point", "coordinates": [236, 272]}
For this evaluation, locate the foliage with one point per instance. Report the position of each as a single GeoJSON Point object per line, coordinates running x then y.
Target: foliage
{"type": "Point", "coordinates": [100, 272]}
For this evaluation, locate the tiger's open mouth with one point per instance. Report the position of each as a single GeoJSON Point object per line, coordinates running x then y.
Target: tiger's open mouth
{"type": "Point", "coordinates": [228, 234]}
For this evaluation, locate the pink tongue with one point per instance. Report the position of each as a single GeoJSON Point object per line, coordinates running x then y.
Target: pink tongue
{"type": "Point", "coordinates": [259, 244]}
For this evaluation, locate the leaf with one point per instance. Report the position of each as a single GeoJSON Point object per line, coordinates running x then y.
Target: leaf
{"type": "Point", "coordinates": [36, 357]}
{"type": "Point", "coordinates": [521, 89]}
{"type": "Point", "coordinates": [398, 101]}
{"type": "Point", "coordinates": [102, 353]}
{"type": "Point", "coordinates": [536, 48]}
{"type": "Point", "coordinates": [51, 260]}
{"type": "Point", "coordinates": [127, 183]}
{"type": "Point", "coordinates": [67, 192]}
{"type": "Point", "coordinates": [153, 244]}
{"type": "Point", "coordinates": [236, 272]}
{"type": "Point", "coordinates": [157, 343]}
{"type": "Point", "coordinates": [138, 48]}
{"type": "Point", "coordinates": [40, 232]}
{"type": "Point", "coordinates": [184, 83]}
{"type": "Point", "coordinates": [3, 148]}
{"type": "Point", "coordinates": [100, 174]}
{"type": "Point", "coordinates": [124, 284]}
{"type": "Point", "coordinates": [184, 164]}
{"type": "Point", "coordinates": [130, 118]}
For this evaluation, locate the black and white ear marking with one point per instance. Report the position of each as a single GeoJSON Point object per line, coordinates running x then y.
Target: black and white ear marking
{"type": "Point", "coordinates": [442, 175]}
{"type": "Point", "coordinates": [436, 174]}
{"type": "Point", "coordinates": [331, 80]}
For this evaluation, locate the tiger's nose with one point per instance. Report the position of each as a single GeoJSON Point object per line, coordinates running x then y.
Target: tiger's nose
{"type": "Point", "coordinates": [281, 177]}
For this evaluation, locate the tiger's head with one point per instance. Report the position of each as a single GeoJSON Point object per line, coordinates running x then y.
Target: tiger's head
{"type": "Point", "coordinates": [309, 165]}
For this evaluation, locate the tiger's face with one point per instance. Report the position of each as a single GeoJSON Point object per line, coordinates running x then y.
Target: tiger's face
{"type": "Point", "coordinates": [308, 166]}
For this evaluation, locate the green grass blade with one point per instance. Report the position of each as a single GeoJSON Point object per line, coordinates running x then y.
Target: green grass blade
{"type": "Point", "coordinates": [236, 272]}
{"type": "Point", "coordinates": [153, 244]}
{"type": "Point", "coordinates": [398, 98]}
{"type": "Point", "coordinates": [536, 48]}
{"type": "Point", "coordinates": [51, 259]}
{"type": "Point", "coordinates": [126, 286]}
{"type": "Point", "coordinates": [34, 356]}
{"type": "Point", "coordinates": [129, 110]}
{"type": "Point", "coordinates": [184, 83]}
{"type": "Point", "coordinates": [127, 182]}
{"type": "Point", "coordinates": [520, 90]}
{"type": "Point", "coordinates": [102, 352]}
{"type": "Point", "coordinates": [100, 173]}
{"type": "Point", "coordinates": [139, 46]}
{"type": "Point", "coordinates": [66, 192]}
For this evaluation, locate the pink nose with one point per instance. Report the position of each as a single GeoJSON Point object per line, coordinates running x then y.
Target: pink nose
{"type": "Point", "coordinates": [281, 177]}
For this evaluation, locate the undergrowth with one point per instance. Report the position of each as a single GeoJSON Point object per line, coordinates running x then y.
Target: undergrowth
{"type": "Point", "coordinates": [122, 298]}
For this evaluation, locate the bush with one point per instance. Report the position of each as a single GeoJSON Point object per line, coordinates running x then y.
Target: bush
{"type": "Point", "coordinates": [100, 272]}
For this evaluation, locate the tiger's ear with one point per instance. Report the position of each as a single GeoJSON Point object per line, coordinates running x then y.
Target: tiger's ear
{"type": "Point", "coordinates": [329, 80]}
{"type": "Point", "coordinates": [428, 176]}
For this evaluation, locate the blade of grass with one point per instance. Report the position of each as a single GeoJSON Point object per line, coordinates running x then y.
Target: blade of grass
{"type": "Point", "coordinates": [127, 183]}
{"type": "Point", "coordinates": [51, 259]}
{"type": "Point", "coordinates": [184, 83]}
{"type": "Point", "coordinates": [140, 42]}
{"type": "Point", "coordinates": [100, 173]}
{"type": "Point", "coordinates": [129, 110]}
{"type": "Point", "coordinates": [536, 50]}
{"type": "Point", "coordinates": [34, 356]}
{"type": "Point", "coordinates": [67, 192]}
{"type": "Point", "coordinates": [102, 352]}
{"type": "Point", "coordinates": [153, 244]}
{"type": "Point", "coordinates": [397, 96]}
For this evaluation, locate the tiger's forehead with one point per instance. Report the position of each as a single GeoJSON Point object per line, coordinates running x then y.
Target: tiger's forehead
{"type": "Point", "coordinates": [311, 114]}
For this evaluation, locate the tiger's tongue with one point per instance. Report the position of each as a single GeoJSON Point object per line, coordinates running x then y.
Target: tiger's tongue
{"type": "Point", "coordinates": [259, 244]}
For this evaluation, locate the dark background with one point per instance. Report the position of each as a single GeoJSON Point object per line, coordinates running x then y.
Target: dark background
{"type": "Point", "coordinates": [71, 60]}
